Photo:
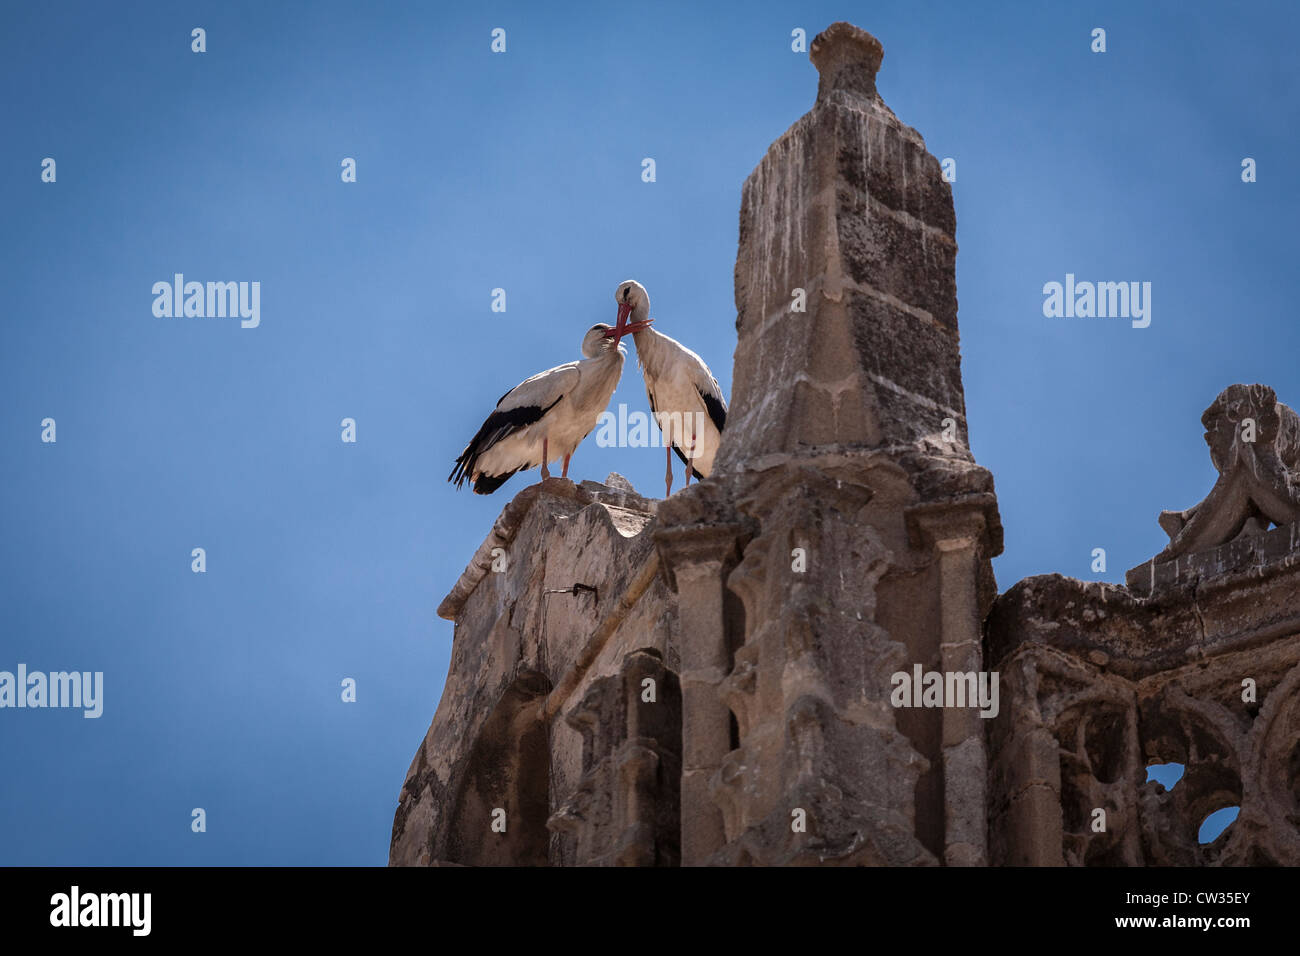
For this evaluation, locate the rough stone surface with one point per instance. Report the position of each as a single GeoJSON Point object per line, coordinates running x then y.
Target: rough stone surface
{"type": "Point", "coordinates": [529, 648]}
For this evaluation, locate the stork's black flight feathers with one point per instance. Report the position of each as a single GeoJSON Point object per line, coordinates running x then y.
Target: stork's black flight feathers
{"type": "Point", "coordinates": [499, 425]}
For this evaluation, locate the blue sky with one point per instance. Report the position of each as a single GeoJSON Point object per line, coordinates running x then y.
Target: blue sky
{"type": "Point", "coordinates": [522, 171]}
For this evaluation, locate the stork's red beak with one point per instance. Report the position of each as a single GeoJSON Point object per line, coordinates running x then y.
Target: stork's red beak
{"type": "Point", "coordinates": [622, 328]}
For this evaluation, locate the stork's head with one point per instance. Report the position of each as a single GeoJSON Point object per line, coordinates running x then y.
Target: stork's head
{"type": "Point", "coordinates": [632, 299]}
{"type": "Point", "coordinates": [600, 338]}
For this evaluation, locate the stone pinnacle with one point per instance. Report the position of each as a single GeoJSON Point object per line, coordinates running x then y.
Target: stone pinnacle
{"type": "Point", "coordinates": [846, 58]}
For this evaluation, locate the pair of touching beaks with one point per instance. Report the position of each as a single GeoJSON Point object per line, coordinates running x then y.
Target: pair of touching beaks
{"type": "Point", "coordinates": [624, 327]}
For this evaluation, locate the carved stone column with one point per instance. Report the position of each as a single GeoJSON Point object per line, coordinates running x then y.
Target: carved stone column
{"type": "Point", "coordinates": [958, 534]}
{"type": "Point", "coordinates": [624, 810]}
{"type": "Point", "coordinates": [696, 558]}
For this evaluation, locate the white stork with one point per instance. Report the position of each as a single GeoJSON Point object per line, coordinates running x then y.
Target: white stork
{"type": "Point", "coordinates": [545, 417]}
{"type": "Point", "coordinates": [684, 395]}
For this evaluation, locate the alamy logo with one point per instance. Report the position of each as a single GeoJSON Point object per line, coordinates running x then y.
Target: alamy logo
{"type": "Point", "coordinates": [56, 689]}
{"type": "Point", "coordinates": [632, 429]}
{"type": "Point", "coordinates": [214, 300]}
{"type": "Point", "coordinates": [102, 909]}
{"type": "Point", "coordinates": [951, 689]}
{"type": "Point", "coordinates": [1100, 300]}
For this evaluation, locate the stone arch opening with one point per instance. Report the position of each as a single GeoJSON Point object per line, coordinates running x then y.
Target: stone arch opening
{"type": "Point", "coordinates": [1167, 774]}
{"type": "Point", "coordinates": [507, 782]}
{"type": "Point", "coordinates": [1216, 824]}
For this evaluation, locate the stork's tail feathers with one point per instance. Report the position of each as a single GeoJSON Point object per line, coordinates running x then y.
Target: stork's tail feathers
{"type": "Point", "coordinates": [487, 484]}
{"type": "Point", "coordinates": [460, 472]}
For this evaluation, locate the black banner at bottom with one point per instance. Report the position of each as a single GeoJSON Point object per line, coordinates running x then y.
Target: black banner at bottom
{"type": "Point", "coordinates": [445, 904]}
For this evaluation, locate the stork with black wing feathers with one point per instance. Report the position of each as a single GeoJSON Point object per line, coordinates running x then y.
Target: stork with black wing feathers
{"type": "Point", "coordinates": [544, 418]}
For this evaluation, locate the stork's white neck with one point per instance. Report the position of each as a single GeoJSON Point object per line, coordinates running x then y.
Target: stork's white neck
{"type": "Point", "coordinates": [641, 311]}
{"type": "Point", "coordinates": [648, 350]}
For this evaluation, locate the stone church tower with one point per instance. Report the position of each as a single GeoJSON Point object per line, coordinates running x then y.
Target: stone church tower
{"type": "Point", "coordinates": [714, 679]}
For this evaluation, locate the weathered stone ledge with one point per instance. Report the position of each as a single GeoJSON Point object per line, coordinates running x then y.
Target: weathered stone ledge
{"type": "Point", "coordinates": [513, 515]}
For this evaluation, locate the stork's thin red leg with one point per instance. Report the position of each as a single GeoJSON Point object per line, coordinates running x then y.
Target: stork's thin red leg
{"type": "Point", "coordinates": [690, 457]}
{"type": "Point", "coordinates": [565, 472]}
{"type": "Point", "coordinates": [668, 475]}
{"type": "Point", "coordinates": [546, 472]}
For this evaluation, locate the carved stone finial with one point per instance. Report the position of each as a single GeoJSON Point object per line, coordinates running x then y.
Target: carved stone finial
{"type": "Point", "coordinates": [1276, 427]}
{"type": "Point", "coordinates": [847, 58]}
{"type": "Point", "coordinates": [1255, 445]}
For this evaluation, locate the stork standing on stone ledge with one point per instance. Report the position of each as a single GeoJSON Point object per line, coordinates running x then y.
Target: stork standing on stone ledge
{"type": "Point", "coordinates": [545, 417]}
{"type": "Point", "coordinates": [684, 395]}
